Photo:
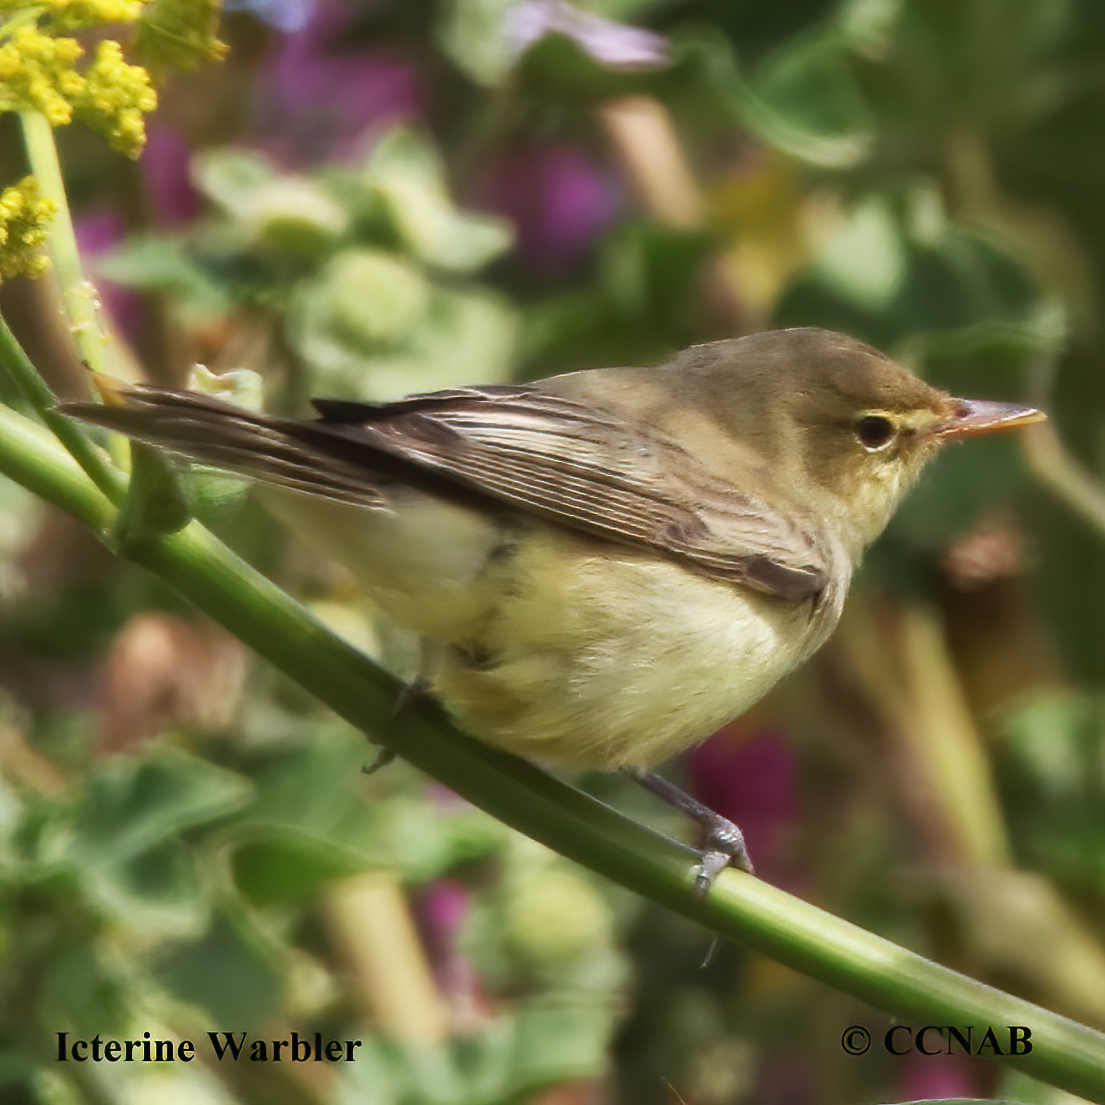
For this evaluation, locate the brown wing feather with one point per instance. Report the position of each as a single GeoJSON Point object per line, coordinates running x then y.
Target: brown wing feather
{"type": "Point", "coordinates": [549, 456]}
{"type": "Point", "coordinates": [590, 470]}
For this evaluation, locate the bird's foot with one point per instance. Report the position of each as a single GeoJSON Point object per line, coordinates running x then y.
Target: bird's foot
{"type": "Point", "coordinates": [724, 841]}
{"type": "Point", "coordinates": [384, 756]}
{"type": "Point", "coordinates": [725, 847]}
{"type": "Point", "coordinates": [408, 693]}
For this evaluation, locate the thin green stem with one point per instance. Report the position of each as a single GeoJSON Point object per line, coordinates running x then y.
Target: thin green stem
{"type": "Point", "coordinates": [739, 907]}
{"type": "Point", "coordinates": [30, 457]}
{"type": "Point", "coordinates": [81, 304]}
{"type": "Point", "coordinates": [82, 301]}
{"type": "Point", "coordinates": [1048, 457]}
{"type": "Point", "coordinates": [25, 18]}
{"type": "Point", "coordinates": [106, 477]}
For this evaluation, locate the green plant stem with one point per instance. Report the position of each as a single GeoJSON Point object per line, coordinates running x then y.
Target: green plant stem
{"type": "Point", "coordinates": [1049, 459]}
{"type": "Point", "coordinates": [1064, 476]}
{"type": "Point", "coordinates": [739, 906]}
{"type": "Point", "coordinates": [82, 302]}
{"type": "Point", "coordinates": [82, 305]}
{"type": "Point", "coordinates": [102, 473]}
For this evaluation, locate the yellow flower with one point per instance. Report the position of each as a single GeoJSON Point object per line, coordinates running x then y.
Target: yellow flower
{"type": "Point", "coordinates": [36, 71]}
{"type": "Point", "coordinates": [24, 224]}
{"type": "Point", "coordinates": [70, 14]}
{"type": "Point", "coordinates": [115, 97]}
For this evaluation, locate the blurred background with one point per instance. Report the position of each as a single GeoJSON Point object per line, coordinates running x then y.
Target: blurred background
{"type": "Point", "coordinates": [374, 197]}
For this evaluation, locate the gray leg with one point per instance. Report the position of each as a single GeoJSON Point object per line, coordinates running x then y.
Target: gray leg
{"type": "Point", "coordinates": [724, 841]}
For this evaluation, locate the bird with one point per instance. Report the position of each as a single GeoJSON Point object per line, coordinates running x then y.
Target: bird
{"type": "Point", "coordinates": [603, 567]}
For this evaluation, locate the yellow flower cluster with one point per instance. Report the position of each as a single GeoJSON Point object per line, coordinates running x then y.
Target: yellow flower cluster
{"type": "Point", "coordinates": [24, 221]}
{"type": "Point", "coordinates": [37, 72]}
{"type": "Point", "coordinates": [115, 97]}
{"type": "Point", "coordinates": [69, 14]}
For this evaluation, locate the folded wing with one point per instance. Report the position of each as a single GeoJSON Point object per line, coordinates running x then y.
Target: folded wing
{"type": "Point", "coordinates": [563, 461]}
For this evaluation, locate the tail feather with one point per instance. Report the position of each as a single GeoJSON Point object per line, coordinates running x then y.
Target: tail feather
{"type": "Point", "coordinates": [219, 435]}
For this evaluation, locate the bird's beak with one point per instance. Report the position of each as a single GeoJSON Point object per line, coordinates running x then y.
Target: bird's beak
{"type": "Point", "coordinates": [972, 417]}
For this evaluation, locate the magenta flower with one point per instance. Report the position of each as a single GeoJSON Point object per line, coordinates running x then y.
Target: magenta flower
{"type": "Point", "coordinates": [558, 199]}
{"type": "Point", "coordinates": [935, 1077]}
{"type": "Point", "coordinates": [165, 173]}
{"type": "Point", "coordinates": [98, 232]}
{"type": "Point", "coordinates": [323, 97]}
{"type": "Point", "coordinates": [750, 781]}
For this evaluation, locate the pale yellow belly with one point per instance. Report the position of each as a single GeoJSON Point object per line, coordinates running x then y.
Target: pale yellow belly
{"type": "Point", "coordinates": [602, 657]}
{"type": "Point", "coordinates": [552, 645]}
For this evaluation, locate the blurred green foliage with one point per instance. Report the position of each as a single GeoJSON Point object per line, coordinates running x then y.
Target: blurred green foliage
{"type": "Point", "coordinates": [924, 174]}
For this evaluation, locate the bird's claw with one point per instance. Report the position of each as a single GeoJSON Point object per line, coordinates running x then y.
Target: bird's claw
{"type": "Point", "coordinates": [725, 847]}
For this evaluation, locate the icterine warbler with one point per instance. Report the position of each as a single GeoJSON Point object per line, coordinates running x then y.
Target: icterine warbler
{"type": "Point", "coordinates": [603, 567]}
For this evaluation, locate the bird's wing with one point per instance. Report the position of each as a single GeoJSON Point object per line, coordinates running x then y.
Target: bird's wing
{"type": "Point", "coordinates": [591, 471]}
{"type": "Point", "coordinates": [554, 458]}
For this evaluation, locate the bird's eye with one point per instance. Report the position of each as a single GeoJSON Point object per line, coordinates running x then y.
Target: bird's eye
{"type": "Point", "coordinates": [873, 431]}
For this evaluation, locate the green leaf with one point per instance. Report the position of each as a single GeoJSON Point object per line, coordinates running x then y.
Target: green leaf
{"type": "Point", "coordinates": [939, 290]}
{"type": "Point", "coordinates": [474, 36]}
{"type": "Point", "coordinates": [159, 496]}
{"type": "Point", "coordinates": [561, 1037]}
{"type": "Point", "coordinates": [640, 308]}
{"type": "Point", "coordinates": [159, 891]}
{"type": "Point", "coordinates": [291, 867]}
{"type": "Point", "coordinates": [230, 971]}
{"type": "Point", "coordinates": [559, 68]}
{"type": "Point", "coordinates": [406, 172]}
{"type": "Point", "coordinates": [162, 265]}
{"type": "Point", "coordinates": [312, 809]}
{"type": "Point", "coordinates": [132, 804]}
{"type": "Point", "coordinates": [865, 259]}
{"type": "Point", "coordinates": [367, 299]}
{"type": "Point", "coordinates": [803, 100]}
{"type": "Point", "coordinates": [810, 84]}
{"type": "Point", "coordinates": [233, 178]}
{"type": "Point", "coordinates": [83, 993]}
{"type": "Point", "coordinates": [295, 216]}
{"type": "Point", "coordinates": [463, 335]}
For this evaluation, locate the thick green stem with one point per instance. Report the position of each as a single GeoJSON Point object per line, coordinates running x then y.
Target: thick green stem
{"type": "Point", "coordinates": [739, 907]}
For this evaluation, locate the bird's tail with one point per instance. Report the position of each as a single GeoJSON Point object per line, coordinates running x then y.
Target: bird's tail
{"type": "Point", "coordinates": [298, 455]}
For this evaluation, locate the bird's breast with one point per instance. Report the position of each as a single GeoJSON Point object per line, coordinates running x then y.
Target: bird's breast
{"type": "Point", "coordinates": [555, 645]}
{"type": "Point", "coordinates": [597, 656]}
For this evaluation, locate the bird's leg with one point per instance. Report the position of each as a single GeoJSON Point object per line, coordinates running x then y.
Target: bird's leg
{"type": "Point", "coordinates": [384, 756]}
{"type": "Point", "coordinates": [724, 841]}
{"type": "Point", "coordinates": [410, 692]}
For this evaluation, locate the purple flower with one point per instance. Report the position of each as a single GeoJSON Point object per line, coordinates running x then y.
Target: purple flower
{"type": "Point", "coordinates": [934, 1077]}
{"type": "Point", "coordinates": [167, 179]}
{"type": "Point", "coordinates": [557, 198]}
{"type": "Point", "coordinates": [616, 45]}
{"type": "Point", "coordinates": [324, 97]}
{"type": "Point", "coordinates": [443, 909]}
{"type": "Point", "coordinates": [97, 233]}
{"type": "Point", "coordinates": [750, 781]}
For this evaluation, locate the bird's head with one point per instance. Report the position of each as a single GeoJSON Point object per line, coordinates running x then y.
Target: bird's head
{"type": "Point", "coordinates": [843, 431]}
